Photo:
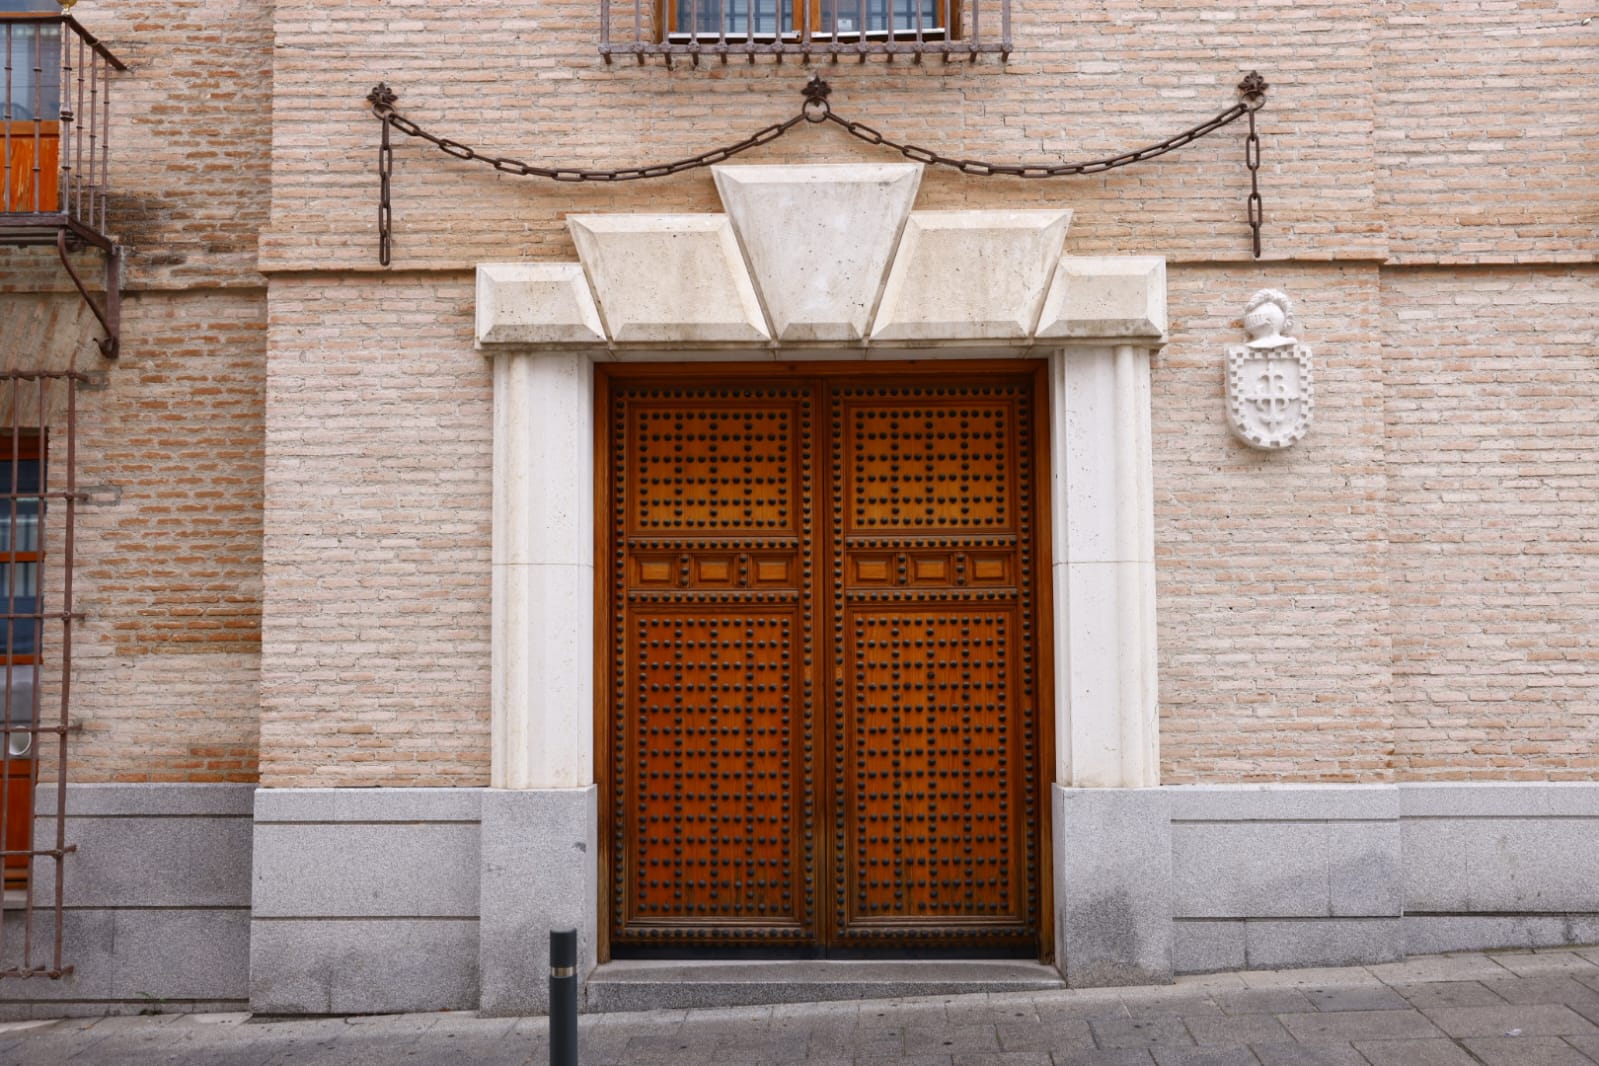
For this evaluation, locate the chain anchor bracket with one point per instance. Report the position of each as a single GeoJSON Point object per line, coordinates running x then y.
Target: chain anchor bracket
{"type": "Point", "coordinates": [816, 110]}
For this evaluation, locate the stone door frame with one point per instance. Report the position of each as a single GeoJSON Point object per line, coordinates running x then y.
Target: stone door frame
{"type": "Point", "coordinates": [815, 262]}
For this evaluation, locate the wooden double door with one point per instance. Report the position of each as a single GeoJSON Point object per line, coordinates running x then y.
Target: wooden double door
{"type": "Point", "coordinates": [822, 730]}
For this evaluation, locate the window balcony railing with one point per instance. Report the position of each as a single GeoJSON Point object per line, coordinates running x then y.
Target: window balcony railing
{"type": "Point", "coordinates": [695, 29]}
{"type": "Point", "coordinates": [55, 105]}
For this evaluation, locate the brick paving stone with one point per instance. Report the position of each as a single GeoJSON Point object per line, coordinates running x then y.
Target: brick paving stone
{"type": "Point", "coordinates": [950, 1039]}
{"type": "Point", "coordinates": [1588, 1045]}
{"type": "Point", "coordinates": [1110, 1057]}
{"type": "Point", "coordinates": [1066, 1034]}
{"type": "Point", "coordinates": [1449, 994]}
{"type": "Point", "coordinates": [813, 1012]}
{"type": "Point", "coordinates": [1526, 1051]}
{"type": "Point", "coordinates": [1263, 1001]}
{"type": "Point", "coordinates": [791, 1047]}
{"type": "Point", "coordinates": [1160, 1000]}
{"type": "Point", "coordinates": [1004, 1058]}
{"type": "Point", "coordinates": [1210, 982]}
{"type": "Point", "coordinates": [877, 1050]}
{"type": "Point", "coordinates": [1089, 1003]}
{"type": "Point", "coordinates": [1467, 967]}
{"type": "Point", "coordinates": [1542, 963]}
{"type": "Point", "coordinates": [1179, 1056]}
{"type": "Point", "coordinates": [1315, 977]}
{"type": "Point", "coordinates": [975, 1010]}
{"type": "Point", "coordinates": [1150, 1031]}
{"type": "Point", "coordinates": [1360, 1025]}
{"type": "Point", "coordinates": [907, 1060]}
{"type": "Point", "coordinates": [1296, 1054]}
{"type": "Point", "coordinates": [1549, 1019]}
{"type": "Point", "coordinates": [1550, 989]}
{"type": "Point", "coordinates": [1234, 1029]}
{"type": "Point", "coordinates": [1414, 1053]}
{"type": "Point", "coordinates": [1334, 999]}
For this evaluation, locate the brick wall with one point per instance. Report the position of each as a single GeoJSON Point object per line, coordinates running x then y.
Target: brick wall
{"type": "Point", "coordinates": [1085, 81]}
{"type": "Point", "coordinates": [191, 126]}
{"type": "Point", "coordinates": [1272, 570]}
{"type": "Point", "coordinates": [375, 655]}
{"type": "Point", "coordinates": [168, 566]}
{"type": "Point", "coordinates": [170, 441]}
{"type": "Point", "coordinates": [1487, 137]}
{"type": "Point", "coordinates": [1493, 504]}
{"type": "Point", "coordinates": [1404, 594]}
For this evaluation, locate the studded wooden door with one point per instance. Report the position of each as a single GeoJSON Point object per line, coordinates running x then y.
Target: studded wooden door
{"type": "Point", "coordinates": [822, 728]}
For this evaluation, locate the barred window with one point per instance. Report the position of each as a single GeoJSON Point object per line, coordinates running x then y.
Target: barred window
{"type": "Point", "coordinates": [729, 28]}
{"type": "Point", "coordinates": [843, 19]}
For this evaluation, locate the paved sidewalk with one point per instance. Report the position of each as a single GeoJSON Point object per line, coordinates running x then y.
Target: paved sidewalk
{"type": "Point", "coordinates": [1496, 1009]}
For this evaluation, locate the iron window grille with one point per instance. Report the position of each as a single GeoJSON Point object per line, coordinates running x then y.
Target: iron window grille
{"type": "Point", "coordinates": [38, 510]}
{"type": "Point", "coordinates": [726, 29]}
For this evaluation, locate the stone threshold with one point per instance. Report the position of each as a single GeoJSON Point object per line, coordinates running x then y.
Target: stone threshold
{"type": "Point", "coordinates": [640, 985]}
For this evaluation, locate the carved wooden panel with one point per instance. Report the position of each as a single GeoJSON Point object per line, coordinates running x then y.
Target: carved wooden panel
{"type": "Point", "coordinates": [711, 769]}
{"type": "Point", "coordinates": [846, 765]}
{"type": "Point", "coordinates": [935, 747]}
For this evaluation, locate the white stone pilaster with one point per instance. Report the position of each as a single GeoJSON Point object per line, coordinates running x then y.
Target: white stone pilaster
{"type": "Point", "coordinates": [1106, 715]}
{"type": "Point", "coordinates": [543, 562]}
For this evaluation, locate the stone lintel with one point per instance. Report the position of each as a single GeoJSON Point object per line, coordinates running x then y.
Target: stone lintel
{"type": "Point", "coordinates": [970, 275]}
{"type": "Point", "coordinates": [536, 304]}
{"type": "Point", "coordinates": [1119, 299]}
{"type": "Point", "coordinates": [669, 279]}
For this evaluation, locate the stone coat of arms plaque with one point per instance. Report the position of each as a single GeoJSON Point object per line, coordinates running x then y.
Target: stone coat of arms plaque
{"type": "Point", "coordinates": [1271, 388]}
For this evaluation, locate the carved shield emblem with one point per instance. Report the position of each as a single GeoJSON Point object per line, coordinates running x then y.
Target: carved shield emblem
{"type": "Point", "coordinates": [1271, 394]}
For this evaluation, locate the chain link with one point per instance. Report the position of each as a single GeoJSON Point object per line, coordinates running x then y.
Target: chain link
{"type": "Point", "coordinates": [385, 208]}
{"type": "Point", "coordinates": [816, 110]}
{"type": "Point", "coordinates": [508, 165]}
{"type": "Point", "coordinates": [1257, 207]}
{"type": "Point", "coordinates": [982, 168]}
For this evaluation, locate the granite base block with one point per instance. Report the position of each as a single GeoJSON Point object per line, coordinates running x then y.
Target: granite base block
{"type": "Point", "coordinates": [1278, 944]}
{"type": "Point", "coordinates": [1113, 877]}
{"type": "Point", "coordinates": [365, 901]}
{"type": "Point", "coordinates": [157, 894]}
{"type": "Point", "coordinates": [381, 966]}
{"type": "Point", "coordinates": [1203, 946]}
{"type": "Point", "coordinates": [1431, 934]}
{"type": "Point", "coordinates": [539, 873]}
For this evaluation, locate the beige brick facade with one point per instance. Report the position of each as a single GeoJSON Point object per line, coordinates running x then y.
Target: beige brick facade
{"type": "Point", "coordinates": [284, 561]}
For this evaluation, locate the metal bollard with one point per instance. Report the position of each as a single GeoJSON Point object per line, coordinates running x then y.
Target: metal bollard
{"type": "Point", "coordinates": [563, 997]}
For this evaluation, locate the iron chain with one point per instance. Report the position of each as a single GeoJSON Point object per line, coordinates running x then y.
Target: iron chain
{"type": "Point", "coordinates": [982, 168]}
{"type": "Point", "coordinates": [507, 165]}
{"type": "Point", "coordinates": [1257, 208]}
{"type": "Point", "coordinates": [816, 110]}
{"type": "Point", "coordinates": [385, 208]}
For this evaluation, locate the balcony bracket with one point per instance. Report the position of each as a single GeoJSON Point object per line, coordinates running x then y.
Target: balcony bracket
{"type": "Point", "coordinates": [110, 315]}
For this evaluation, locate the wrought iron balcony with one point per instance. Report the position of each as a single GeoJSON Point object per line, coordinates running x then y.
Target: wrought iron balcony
{"type": "Point", "coordinates": [806, 29]}
{"type": "Point", "coordinates": [55, 110]}
{"type": "Point", "coordinates": [55, 104]}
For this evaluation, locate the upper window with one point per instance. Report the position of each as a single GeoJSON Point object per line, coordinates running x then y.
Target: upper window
{"type": "Point", "coordinates": [730, 28]}
{"type": "Point", "coordinates": [32, 67]}
{"type": "Point", "coordinates": [842, 19]}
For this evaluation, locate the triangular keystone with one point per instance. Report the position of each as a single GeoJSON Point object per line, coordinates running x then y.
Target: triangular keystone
{"type": "Point", "coordinates": [819, 240]}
